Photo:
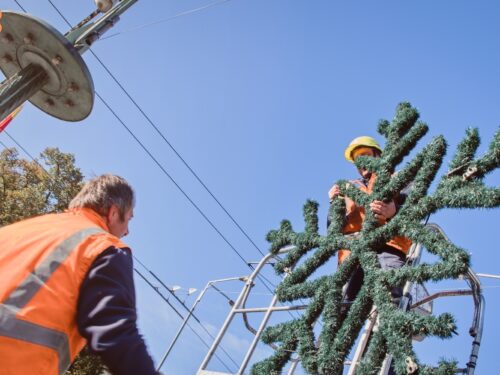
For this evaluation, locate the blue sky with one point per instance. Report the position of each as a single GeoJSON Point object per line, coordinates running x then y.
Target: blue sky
{"type": "Point", "coordinates": [260, 98]}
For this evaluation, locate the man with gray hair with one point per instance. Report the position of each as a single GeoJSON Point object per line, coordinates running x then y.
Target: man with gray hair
{"type": "Point", "coordinates": [66, 280]}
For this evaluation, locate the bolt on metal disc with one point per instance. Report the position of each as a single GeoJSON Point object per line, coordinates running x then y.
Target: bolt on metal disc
{"type": "Point", "coordinates": [24, 40]}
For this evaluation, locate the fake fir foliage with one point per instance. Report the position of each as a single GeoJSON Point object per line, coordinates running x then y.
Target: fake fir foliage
{"type": "Point", "coordinates": [461, 187]}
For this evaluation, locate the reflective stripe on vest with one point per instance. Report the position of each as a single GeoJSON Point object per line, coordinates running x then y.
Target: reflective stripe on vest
{"type": "Point", "coordinates": [20, 329]}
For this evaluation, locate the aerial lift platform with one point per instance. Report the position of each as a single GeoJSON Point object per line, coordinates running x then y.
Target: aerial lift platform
{"type": "Point", "coordinates": [415, 297]}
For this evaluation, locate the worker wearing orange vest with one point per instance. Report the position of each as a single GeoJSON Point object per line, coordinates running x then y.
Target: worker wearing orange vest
{"type": "Point", "coordinates": [393, 254]}
{"type": "Point", "coordinates": [66, 280]}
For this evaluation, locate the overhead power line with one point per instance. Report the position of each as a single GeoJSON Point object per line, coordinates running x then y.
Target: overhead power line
{"type": "Point", "coordinates": [164, 138]}
{"type": "Point", "coordinates": [24, 150]}
{"type": "Point", "coordinates": [181, 14]}
{"type": "Point", "coordinates": [266, 281]}
{"type": "Point", "coordinates": [146, 150]}
{"type": "Point", "coordinates": [191, 328]}
{"type": "Point", "coordinates": [136, 270]}
{"type": "Point", "coordinates": [156, 128]}
{"type": "Point", "coordinates": [20, 6]}
{"type": "Point", "coordinates": [185, 308]}
{"type": "Point", "coordinates": [158, 163]}
{"type": "Point", "coordinates": [171, 178]}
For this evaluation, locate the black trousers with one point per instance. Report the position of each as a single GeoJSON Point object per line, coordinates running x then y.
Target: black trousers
{"type": "Point", "coordinates": [388, 258]}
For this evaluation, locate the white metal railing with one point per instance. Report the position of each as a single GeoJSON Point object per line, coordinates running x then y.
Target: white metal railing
{"type": "Point", "coordinates": [415, 297]}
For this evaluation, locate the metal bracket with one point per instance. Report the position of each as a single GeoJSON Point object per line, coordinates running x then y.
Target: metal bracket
{"type": "Point", "coordinates": [25, 40]}
{"type": "Point", "coordinates": [83, 37]}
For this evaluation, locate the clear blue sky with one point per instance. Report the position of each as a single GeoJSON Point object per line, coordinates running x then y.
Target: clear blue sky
{"type": "Point", "coordinates": [261, 98]}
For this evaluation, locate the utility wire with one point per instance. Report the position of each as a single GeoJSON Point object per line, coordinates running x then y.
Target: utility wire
{"type": "Point", "coordinates": [58, 11]}
{"type": "Point", "coordinates": [181, 14]}
{"type": "Point", "coordinates": [20, 6]}
{"type": "Point", "coordinates": [25, 151]}
{"type": "Point", "coordinates": [160, 294]}
{"type": "Point", "coordinates": [159, 132]}
{"type": "Point", "coordinates": [261, 277]}
{"type": "Point", "coordinates": [176, 184]}
{"type": "Point", "coordinates": [191, 328]}
{"type": "Point", "coordinates": [137, 271]}
{"type": "Point", "coordinates": [145, 149]}
{"type": "Point", "coordinates": [159, 164]}
{"type": "Point", "coordinates": [4, 145]}
{"type": "Point", "coordinates": [170, 177]}
{"type": "Point", "coordinates": [177, 153]}
{"type": "Point", "coordinates": [185, 307]}
{"type": "Point", "coordinates": [231, 302]}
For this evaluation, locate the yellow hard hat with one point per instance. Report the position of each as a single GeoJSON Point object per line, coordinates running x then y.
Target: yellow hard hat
{"type": "Point", "coordinates": [363, 141]}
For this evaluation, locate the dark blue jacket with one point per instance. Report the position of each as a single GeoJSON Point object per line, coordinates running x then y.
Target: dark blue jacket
{"type": "Point", "coordinates": [107, 317]}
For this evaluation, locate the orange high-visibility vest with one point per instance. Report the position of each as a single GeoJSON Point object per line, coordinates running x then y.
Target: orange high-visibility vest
{"type": "Point", "coordinates": [43, 262]}
{"type": "Point", "coordinates": [356, 216]}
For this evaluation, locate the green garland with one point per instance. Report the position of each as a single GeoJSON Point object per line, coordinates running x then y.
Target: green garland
{"type": "Point", "coordinates": [461, 187]}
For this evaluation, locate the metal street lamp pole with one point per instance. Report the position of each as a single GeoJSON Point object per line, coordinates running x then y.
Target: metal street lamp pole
{"type": "Point", "coordinates": [45, 67]}
{"type": "Point", "coordinates": [22, 85]}
{"type": "Point", "coordinates": [190, 313]}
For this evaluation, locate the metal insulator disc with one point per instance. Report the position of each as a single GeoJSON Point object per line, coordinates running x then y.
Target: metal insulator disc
{"type": "Point", "coordinates": [69, 93]}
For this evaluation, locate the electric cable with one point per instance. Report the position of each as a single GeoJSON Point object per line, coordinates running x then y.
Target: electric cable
{"type": "Point", "coordinates": [159, 132]}
{"type": "Point", "coordinates": [160, 294]}
{"type": "Point", "coordinates": [261, 277]}
{"type": "Point", "coordinates": [176, 152]}
{"type": "Point", "coordinates": [20, 6]}
{"type": "Point", "coordinates": [146, 150]}
{"type": "Point", "coordinates": [181, 14]}
{"type": "Point", "coordinates": [190, 327]}
{"type": "Point", "coordinates": [136, 270]}
{"type": "Point", "coordinates": [24, 150]}
{"type": "Point", "coordinates": [50, 177]}
{"type": "Point", "coordinates": [185, 307]}
{"type": "Point", "coordinates": [231, 302]}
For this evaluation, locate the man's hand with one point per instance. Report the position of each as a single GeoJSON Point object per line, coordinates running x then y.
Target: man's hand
{"type": "Point", "coordinates": [383, 211]}
{"type": "Point", "coordinates": [334, 192]}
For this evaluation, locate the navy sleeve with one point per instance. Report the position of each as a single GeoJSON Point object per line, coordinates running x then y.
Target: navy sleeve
{"type": "Point", "coordinates": [106, 315]}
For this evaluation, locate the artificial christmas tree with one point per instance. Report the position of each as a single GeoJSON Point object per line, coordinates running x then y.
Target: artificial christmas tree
{"type": "Point", "coordinates": [461, 187]}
